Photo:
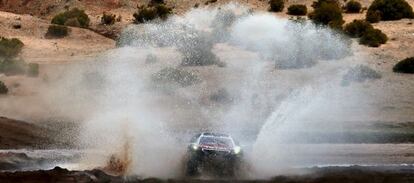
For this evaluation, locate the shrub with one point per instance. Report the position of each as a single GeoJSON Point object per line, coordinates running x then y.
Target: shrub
{"type": "Point", "coordinates": [32, 70]}
{"type": "Point", "coordinates": [327, 13]}
{"type": "Point", "coordinates": [3, 88]}
{"type": "Point", "coordinates": [373, 38]}
{"type": "Point", "coordinates": [405, 66]}
{"type": "Point", "coordinates": [79, 15]}
{"type": "Point", "coordinates": [12, 67]}
{"type": "Point", "coordinates": [373, 16]}
{"type": "Point", "coordinates": [10, 48]}
{"type": "Point", "coordinates": [353, 7]}
{"type": "Point", "coordinates": [151, 12]}
{"type": "Point", "coordinates": [277, 5]}
{"type": "Point", "coordinates": [57, 31]}
{"type": "Point", "coordinates": [171, 75]}
{"type": "Point", "coordinates": [108, 19]}
{"type": "Point", "coordinates": [297, 9]}
{"type": "Point", "coordinates": [318, 3]}
{"type": "Point", "coordinates": [72, 22]}
{"type": "Point", "coordinates": [357, 28]}
{"type": "Point", "coordinates": [391, 9]}
{"type": "Point", "coordinates": [360, 73]}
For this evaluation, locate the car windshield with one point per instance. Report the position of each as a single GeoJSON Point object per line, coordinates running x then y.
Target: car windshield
{"type": "Point", "coordinates": [219, 141]}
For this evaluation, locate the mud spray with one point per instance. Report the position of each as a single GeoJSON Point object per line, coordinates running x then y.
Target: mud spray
{"type": "Point", "coordinates": [264, 81]}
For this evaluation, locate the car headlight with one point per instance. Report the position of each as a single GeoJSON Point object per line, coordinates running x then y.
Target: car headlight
{"type": "Point", "coordinates": [194, 147]}
{"type": "Point", "coordinates": [237, 150]}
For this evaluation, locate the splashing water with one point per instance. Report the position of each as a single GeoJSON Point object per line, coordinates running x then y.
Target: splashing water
{"type": "Point", "coordinates": [241, 53]}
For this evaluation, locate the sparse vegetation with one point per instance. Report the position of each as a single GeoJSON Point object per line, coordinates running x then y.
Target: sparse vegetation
{"type": "Point", "coordinates": [3, 88]}
{"type": "Point", "coordinates": [357, 28]}
{"type": "Point", "coordinates": [373, 38]}
{"type": "Point", "coordinates": [70, 17]}
{"type": "Point", "coordinates": [360, 73]}
{"type": "Point", "coordinates": [353, 6]}
{"type": "Point", "coordinates": [57, 31]}
{"type": "Point", "coordinates": [12, 67]}
{"type": "Point", "coordinates": [151, 12]}
{"type": "Point", "coordinates": [327, 12]}
{"type": "Point", "coordinates": [297, 9]}
{"type": "Point", "coordinates": [108, 19]}
{"type": "Point", "coordinates": [10, 47]}
{"type": "Point", "coordinates": [366, 32]}
{"type": "Point", "coordinates": [176, 76]}
{"type": "Point", "coordinates": [405, 66]}
{"type": "Point", "coordinates": [277, 5]}
{"type": "Point", "coordinates": [389, 10]}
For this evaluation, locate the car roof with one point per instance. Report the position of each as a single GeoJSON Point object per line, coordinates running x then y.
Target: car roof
{"type": "Point", "coordinates": [215, 134]}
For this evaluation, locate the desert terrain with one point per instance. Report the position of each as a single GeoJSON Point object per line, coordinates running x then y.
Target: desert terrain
{"type": "Point", "coordinates": [70, 118]}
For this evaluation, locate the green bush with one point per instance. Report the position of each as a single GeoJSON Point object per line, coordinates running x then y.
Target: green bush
{"type": "Point", "coordinates": [10, 48]}
{"type": "Point", "coordinates": [57, 31]}
{"type": "Point", "coordinates": [353, 6]}
{"type": "Point", "coordinates": [108, 19]}
{"type": "Point", "coordinates": [357, 28]}
{"type": "Point", "coordinates": [391, 9]}
{"type": "Point", "coordinates": [75, 13]}
{"type": "Point", "coordinates": [327, 13]}
{"type": "Point", "coordinates": [3, 88]}
{"type": "Point", "coordinates": [360, 73]}
{"type": "Point", "coordinates": [151, 12]}
{"type": "Point", "coordinates": [277, 5]}
{"type": "Point", "coordinates": [297, 9]}
{"type": "Point", "coordinates": [405, 66]}
{"type": "Point", "coordinates": [373, 16]}
{"type": "Point", "coordinates": [373, 38]}
{"type": "Point", "coordinates": [171, 75]}
{"type": "Point", "coordinates": [32, 70]}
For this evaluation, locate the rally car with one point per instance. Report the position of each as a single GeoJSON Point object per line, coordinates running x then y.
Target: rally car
{"type": "Point", "coordinates": [213, 151]}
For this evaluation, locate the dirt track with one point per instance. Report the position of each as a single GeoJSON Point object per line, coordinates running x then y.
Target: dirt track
{"type": "Point", "coordinates": [354, 174]}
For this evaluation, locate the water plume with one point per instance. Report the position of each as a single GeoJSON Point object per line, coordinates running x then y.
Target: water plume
{"type": "Point", "coordinates": [269, 68]}
{"type": "Point", "coordinates": [247, 46]}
